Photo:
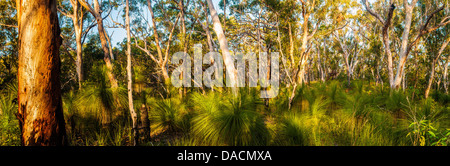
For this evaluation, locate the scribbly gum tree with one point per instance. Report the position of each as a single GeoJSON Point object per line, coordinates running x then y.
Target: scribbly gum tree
{"type": "Point", "coordinates": [417, 19]}
{"type": "Point", "coordinates": [96, 12]}
{"type": "Point", "coordinates": [40, 111]}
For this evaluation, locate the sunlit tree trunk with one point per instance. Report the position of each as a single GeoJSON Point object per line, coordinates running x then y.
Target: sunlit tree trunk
{"type": "Point", "coordinates": [291, 46]}
{"type": "Point", "coordinates": [162, 59]}
{"type": "Point", "coordinates": [404, 50]}
{"type": "Point", "coordinates": [433, 64]}
{"type": "Point", "coordinates": [227, 58]}
{"type": "Point", "coordinates": [206, 29]}
{"type": "Point", "coordinates": [96, 12]}
{"type": "Point", "coordinates": [77, 19]}
{"type": "Point", "coordinates": [78, 27]}
{"type": "Point", "coordinates": [40, 111]}
{"type": "Point", "coordinates": [79, 62]}
{"type": "Point", "coordinates": [385, 33]}
{"type": "Point", "coordinates": [304, 55]}
{"type": "Point", "coordinates": [407, 45]}
{"type": "Point", "coordinates": [129, 75]}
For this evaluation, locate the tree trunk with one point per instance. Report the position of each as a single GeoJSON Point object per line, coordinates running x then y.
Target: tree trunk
{"type": "Point", "coordinates": [404, 50]}
{"type": "Point", "coordinates": [96, 12]}
{"type": "Point", "coordinates": [162, 59]}
{"type": "Point", "coordinates": [40, 111]}
{"type": "Point", "coordinates": [229, 61]}
{"type": "Point", "coordinates": [145, 125]}
{"type": "Point", "coordinates": [303, 53]}
{"type": "Point", "coordinates": [433, 64]}
{"type": "Point", "coordinates": [446, 75]}
{"type": "Point", "coordinates": [206, 29]}
{"type": "Point", "coordinates": [385, 33]}
{"type": "Point", "coordinates": [78, 26]}
{"type": "Point", "coordinates": [77, 20]}
{"type": "Point", "coordinates": [79, 65]}
{"type": "Point", "coordinates": [386, 42]}
{"type": "Point", "coordinates": [291, 46]}
{"type": "Point", "coordinates": [129, 75]}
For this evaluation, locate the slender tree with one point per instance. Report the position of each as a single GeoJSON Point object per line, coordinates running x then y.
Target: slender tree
{"type": "Point", "coordinates": [97, 13]}
{"type": "Point", "coordinates": [77, 19]}
{"type": "Point", "coordinates": [433, 64]}
{"type": "Point", "coordinates": [129, 75]}
{"type": "Point", "coordinates": [162, 58]}
{"type": "Point", "coordinates": [386, 23]}
{"type": "Point", "coordinates": [227, 58]}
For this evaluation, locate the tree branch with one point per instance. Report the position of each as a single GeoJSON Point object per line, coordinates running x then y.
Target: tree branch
{"type": "Point", "coordinates": [7, 25]}
{"type": "Point", "coordinates": [371, 12]}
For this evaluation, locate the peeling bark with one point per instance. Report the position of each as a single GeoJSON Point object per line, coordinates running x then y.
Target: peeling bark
{"type": "Point", "coordinates": [40, 111]}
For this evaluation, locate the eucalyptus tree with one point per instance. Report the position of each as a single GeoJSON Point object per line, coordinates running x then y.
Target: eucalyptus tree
{"type": "Point", "coordinates": [421, 27]}
{"type": "Point", "coordinates": [97, 10]}
{"type": "Point", "coordinates": [78, 16]}
{"type": "Point", "coordinates": [350, 55]}
{"type": "Point", "coordinates": [40, 111]}
{"type": "Point", "coordinates": [435, 60]}
{"type": "Point", "coordinates": [223, 43]}
{"type": "Point", "coordinates": [129, 74]}
{"type": "Point", "coordinates": [169, 21]}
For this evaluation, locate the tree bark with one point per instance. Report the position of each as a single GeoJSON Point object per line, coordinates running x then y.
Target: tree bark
{"type": "Point", "coordinates": [433, 64]}
{"type": "Point", "coordinates": [291, 46]}
{"type": "Point", "coordinates": [404, 49]}
{"type": "Point", "coordinates": [227, 58]}
{"type": "Point", "coordinates": [385, 33]}
{"type": "Point", "coordinates": [162, 59]}
{"type": "Point", "coordinates": [209, 39]}
{"type": "Point", "coordinates": [129, 75]}
{"type": "Point", "coordinates": [40, 110]}
{"type": "Point", "coordinates": [77, 19]}
{"type": "Point", "coordinates": [78, 26]}
{"type": "Point", "coordinates": [446, 75]}
{"type": "Point", "coordinates": [96, 12]}
{"type": "Point", "coordinates": [303, 54]}
{"type": "Point", "coordinates": [145, 122]}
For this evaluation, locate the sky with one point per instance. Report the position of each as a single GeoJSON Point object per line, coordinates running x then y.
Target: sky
{"type": "Point", "coordinates": [119, 34]}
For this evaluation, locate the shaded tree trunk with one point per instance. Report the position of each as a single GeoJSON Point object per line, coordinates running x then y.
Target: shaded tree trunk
{"type": "Point", "coordinates": [40, 111]}
{"type": "Point", "coordinates": [145, 122]}
{"type": "Point", "coordinates": [446, 75]}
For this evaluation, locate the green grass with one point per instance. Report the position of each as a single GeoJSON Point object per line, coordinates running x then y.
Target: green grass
{"type": "Point", "coordinates": [322, 114]}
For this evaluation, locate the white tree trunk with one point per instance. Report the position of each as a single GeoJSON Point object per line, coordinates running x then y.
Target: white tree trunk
{"type": "Point", "coordinates": [227, 58]}
{"type": "Point", "coordinates": [129, 75]}
{"type": "Point", "coordinates": [433, 64]}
